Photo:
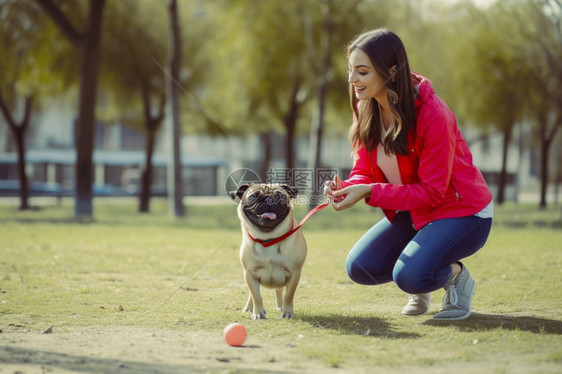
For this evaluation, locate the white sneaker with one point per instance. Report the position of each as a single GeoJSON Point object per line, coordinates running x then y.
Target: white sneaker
{"type": "Point", "coordinates": [418, 305]}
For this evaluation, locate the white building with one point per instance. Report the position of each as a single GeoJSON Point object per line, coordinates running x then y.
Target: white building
{"type": "Point", "coordinates": [207, 160]}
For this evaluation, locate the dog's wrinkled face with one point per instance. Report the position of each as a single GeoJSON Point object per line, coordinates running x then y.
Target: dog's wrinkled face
{"type": "Point", "coordinates": [265, 205]}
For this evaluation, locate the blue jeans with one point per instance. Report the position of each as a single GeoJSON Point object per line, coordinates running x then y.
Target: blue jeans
{"type": "Point", "coordinates": [418, 261]}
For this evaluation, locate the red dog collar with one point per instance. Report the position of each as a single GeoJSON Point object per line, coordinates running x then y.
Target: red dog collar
{"type": "Point", "coordinates": [270, 242]}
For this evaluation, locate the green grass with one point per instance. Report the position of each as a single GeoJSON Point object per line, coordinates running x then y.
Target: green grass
{"type": "Point", "coordinates": [126, 269]}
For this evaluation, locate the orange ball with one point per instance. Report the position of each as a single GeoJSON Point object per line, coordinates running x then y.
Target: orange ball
{"type": "Point", "coordinates": [235, 334]}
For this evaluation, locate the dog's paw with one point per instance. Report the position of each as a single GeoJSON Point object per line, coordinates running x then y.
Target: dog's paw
{"type": "Point", "coordinates": [287, 315]}
{"type": "Point", "coordinates": [258, 315]}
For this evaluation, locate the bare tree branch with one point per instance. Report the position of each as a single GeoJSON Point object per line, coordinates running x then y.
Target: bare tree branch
{"type": "Point", "coordinates": [62, 21]}
{"type": "Point", "coordinates": [6, 112]}
{"type": "Point", "coordinates": [27, 112]}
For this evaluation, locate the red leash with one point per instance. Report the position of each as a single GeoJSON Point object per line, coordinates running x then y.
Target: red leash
{"type": "Point", "coordinates": [268, 243]}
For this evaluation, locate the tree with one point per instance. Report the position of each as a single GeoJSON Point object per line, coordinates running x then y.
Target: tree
{"type": "Point", "coordinates": [517, 74]}
{"type": "Point", "coordinates": [483, 70]}
{"type": "Point", "coordinates": [262, 64]}
{"type": "Point", "coordinates": [287, 87]}
{"type": "Point", "coordinates": [152, 124]}
{"type": "Point", "coordinates": [88, 42]}
{"type": "Point", "coordinates": [542, 24]}
{"type": "Point", "coordinates": [324, 75]}
{"type": "Point", "coordinates": [326, 33]}
{"type": "Point", "coordinates": [18, 46]}
{"type": "Point", "coordinates": [269, 65]}
{"type": "Point", "coordinates": [33, 66]}
{"type": "Point", "coordinates": [133, 62]}
{"type": "Point", "coordinates": [18, 130]}
{"type": "Point", "coordinates": [503, 73]}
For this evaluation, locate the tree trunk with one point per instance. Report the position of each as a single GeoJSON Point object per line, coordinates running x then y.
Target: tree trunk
{"type": "Point", "coordinates": [24, 182]}
{"type": "Point", "coordinates": [290, 121]}
{"type": "Point", "coordinates": [152, 124]}
{"type": "Point", "coordinates": [85, 128]}
{"type": "Point", "coordinates": [547, 136]}
{"type": "Point", "coordinates": [89, 44]}
{"type": "Point", "coordinates": [545, 143]}
{"type": "Point", "coordinates": [507, 132]}
{"type": "Point", "coordinates": [148, 169]}
{"type": "Point", "coordinates": [18, 131]}
{"type": "Point", "coordinates": [290, 124]}
{"type": "Point", "coordinates": [175, 190]}
{"type": "Point", "coordinates": [317, 128]}
{"type": "Point", "coordinates": [266, 156]}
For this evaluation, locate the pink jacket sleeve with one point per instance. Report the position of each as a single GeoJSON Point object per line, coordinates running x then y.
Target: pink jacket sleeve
{"type": "Point", "coordinates": [362, 172]}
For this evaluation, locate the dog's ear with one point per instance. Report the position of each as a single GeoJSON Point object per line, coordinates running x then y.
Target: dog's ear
{"type": "Point", "coordinates": [239, 192]}
{"type": "Point", "coordinates": [293, 191]}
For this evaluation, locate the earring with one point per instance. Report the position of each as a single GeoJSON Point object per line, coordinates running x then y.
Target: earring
{"type": "Point", "coordinates": [392, 96]}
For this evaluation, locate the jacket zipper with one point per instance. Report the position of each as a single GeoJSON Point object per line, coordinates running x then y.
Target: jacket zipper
{"type": "Point", "coordinates": [457, 194]}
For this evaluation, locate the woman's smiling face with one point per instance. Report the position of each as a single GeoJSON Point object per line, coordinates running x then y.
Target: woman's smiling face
{"type": "Point", "coordinates": [367, 82]}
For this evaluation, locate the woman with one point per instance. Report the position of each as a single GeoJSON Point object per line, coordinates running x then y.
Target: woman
{"type": "Point", "coordinates": [411, 161]}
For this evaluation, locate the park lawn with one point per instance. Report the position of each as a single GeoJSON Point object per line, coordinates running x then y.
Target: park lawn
{"type": "Point", "coordinates": [128, 271]}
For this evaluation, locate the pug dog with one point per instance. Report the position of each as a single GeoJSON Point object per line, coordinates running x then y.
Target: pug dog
{"type": "Point", "coordinates": [266, 215]}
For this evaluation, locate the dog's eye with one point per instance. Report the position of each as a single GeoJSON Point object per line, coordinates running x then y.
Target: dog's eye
{"type": "Point", "coordinates": [253, 197]}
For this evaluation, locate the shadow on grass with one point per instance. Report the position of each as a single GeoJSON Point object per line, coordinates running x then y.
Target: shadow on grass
{"type": "Point", "coordinates": [355, 325]}
{"type": "Point", "coordinates": [23, 358]}
{"type": "Point", "coordinates": [479, 321]}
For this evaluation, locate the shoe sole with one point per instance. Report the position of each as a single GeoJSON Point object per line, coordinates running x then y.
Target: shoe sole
{"type": "Point", "coordinates": [463, 316]}
{"type": "Point", "coordinates": [415, 315]}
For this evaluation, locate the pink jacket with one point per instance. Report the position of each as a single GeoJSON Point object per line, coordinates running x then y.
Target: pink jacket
{"type": "Point", "coordinates": [438, 176]}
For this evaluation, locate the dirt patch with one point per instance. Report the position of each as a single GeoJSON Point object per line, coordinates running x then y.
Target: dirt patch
{"type": "Point", "coordinates": [140, 350]}
{"type": "Point", "coordinates": [132, 349]}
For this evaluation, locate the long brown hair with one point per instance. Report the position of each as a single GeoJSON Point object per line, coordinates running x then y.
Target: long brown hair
{"type": "Point", "coordinates": [385, 50]}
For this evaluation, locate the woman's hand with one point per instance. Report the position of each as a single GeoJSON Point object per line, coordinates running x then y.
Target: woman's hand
{"type": "Point", "coordinates": [330, 187]}
{"type": "Point", "coordinates": [349, 196]}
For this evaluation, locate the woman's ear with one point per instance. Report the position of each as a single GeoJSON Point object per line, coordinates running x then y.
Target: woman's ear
{"type": "Point", "coordinates": [392, 72]}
